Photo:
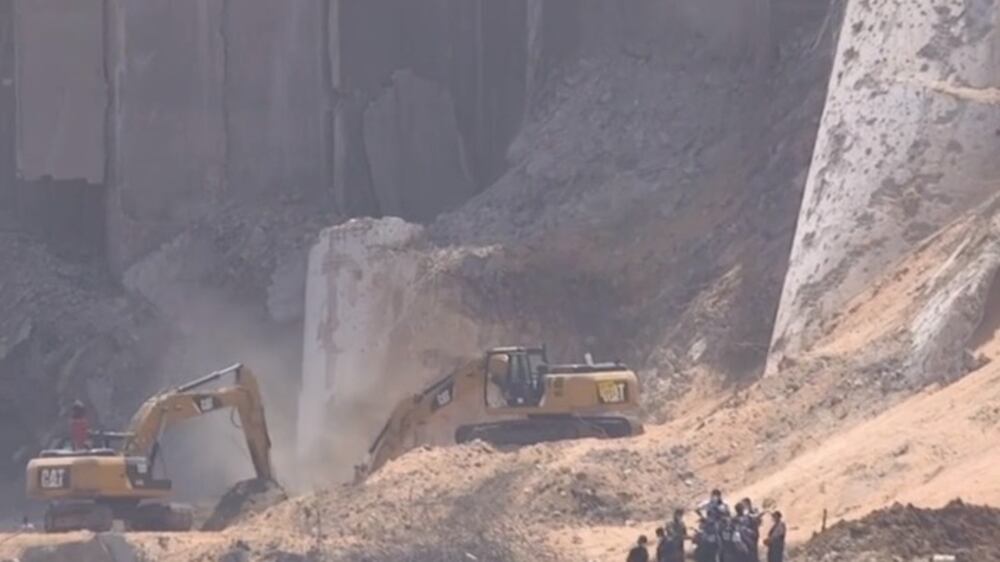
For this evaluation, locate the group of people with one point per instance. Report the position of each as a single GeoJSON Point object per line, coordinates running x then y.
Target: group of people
{"type": "Point", "coordinates": [722, 535]}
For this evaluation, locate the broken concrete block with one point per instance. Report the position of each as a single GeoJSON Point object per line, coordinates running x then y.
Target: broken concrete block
{"type": "Point", "coordinates": [383, 318]}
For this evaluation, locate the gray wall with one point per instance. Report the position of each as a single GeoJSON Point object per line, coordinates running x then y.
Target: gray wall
{"type": "Point", "coordinates": [170, 110]}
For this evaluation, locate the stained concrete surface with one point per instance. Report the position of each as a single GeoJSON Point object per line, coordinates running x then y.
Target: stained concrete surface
{"type": "Point", "coordinates": [905, 146]}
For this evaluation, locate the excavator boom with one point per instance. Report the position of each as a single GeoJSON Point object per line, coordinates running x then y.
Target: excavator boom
{"type": "Point", "coordinates": [187, 401]}
{"type": "Point", "coordinates": [398, 436]}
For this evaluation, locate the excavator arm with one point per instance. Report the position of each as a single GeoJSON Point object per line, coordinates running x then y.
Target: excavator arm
{"type": "Point", "coordinates": [192, 400]}
{"type": "Point", "coordinates": [403, 429]}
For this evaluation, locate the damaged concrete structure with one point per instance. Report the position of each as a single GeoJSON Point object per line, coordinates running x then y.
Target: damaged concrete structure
{"type": "Point", "coordinates": [567, 247]}
{"type": "Point", "coordinates": [907, 144]}
{"type": "Point", "coordinates": [176, 110]}
{"type": "Point", "coordinates": [203, 143]}
{"type": "Point", "coordinates": [169, 112]}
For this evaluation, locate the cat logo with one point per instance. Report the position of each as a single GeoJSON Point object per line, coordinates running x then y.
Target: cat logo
{"type": "Point", "coordinates": [53, 478]}
{"type": "Point", "coordinates": [205, 404]}
{"type": "Point", "coordinates": [612, 392]}
{"type": "Point", "coordinates": [443, 397]}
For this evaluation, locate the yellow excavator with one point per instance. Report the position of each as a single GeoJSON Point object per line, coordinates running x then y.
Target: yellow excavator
{"type": "Point", "coordinates": [512, 396]}
{"type": "Point", "coordinates": [90, 489]}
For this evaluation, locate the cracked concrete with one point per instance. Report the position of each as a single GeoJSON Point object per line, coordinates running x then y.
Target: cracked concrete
{"type": "Point", "coordinates": [907, 143]}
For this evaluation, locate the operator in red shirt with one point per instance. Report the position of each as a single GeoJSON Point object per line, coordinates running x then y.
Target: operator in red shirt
{"type": "Point", "coordinates": [79, 426]}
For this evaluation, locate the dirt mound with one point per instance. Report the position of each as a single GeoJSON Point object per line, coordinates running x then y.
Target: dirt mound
{"type": "Point", "coordinates": [909, 533]}
{"type": "Point", "coordinates": [243, 500]}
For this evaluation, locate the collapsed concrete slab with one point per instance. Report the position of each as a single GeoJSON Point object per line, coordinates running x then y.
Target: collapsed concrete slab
{"type": "Point", "coordinates": [388, 311]}
{"type": "Point", "coordinates": [907, 140]}
{"type": "Point", "coordinates": [383, 318]}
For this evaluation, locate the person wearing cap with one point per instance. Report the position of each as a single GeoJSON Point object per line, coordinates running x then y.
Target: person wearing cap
{"type": "Point", "coordinates": [775, 541]}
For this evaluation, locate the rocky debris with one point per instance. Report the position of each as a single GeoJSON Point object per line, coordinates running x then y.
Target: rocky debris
{"type": "Point", "coordinates": [947, 281]}
{"type": "Point", "coordinates": [104, 547]}
{"type": "Point", "coordinates": [900, 532]}
{"type": "Point", "coordinates": [67, 331]}
{"type": "Point", "coordinates": [243, 501]}
{"type": "Point", "coordinates": [588, 243]}
{"type": "Point", "coordinates": [484, 550]}
{"type": "Point", "coordinates": [389, 312]}
{"type": "Point", "coordinates": [956, 301]}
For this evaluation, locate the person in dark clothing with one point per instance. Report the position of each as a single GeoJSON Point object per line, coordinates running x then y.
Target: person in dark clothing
{"type": "Point", "coordinates": [775, 541]}
{"type": "Point", "coordinates": [639, 552]}
{"type": "Point", "coordinates": [706, 541]}
{"type": "Point", "coordinates": [661, 545]}
{"type": "Point", "coordinates": [713, 515]}
{"type": "Point", "coordinates": [741, 535]}
{"type": "Point", "coordinates": [753, 528]}
{"type": "Point", "coordinates": [714, 508]}
{"type": "Point", "coordinates": [732, 548]}
{"type": "Point", "coordinates": [674, 536]}
{"type": "Point", "coordinates": [79, 426]}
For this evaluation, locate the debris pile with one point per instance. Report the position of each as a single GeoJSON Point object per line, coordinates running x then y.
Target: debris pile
{"type": "Point", "coordinates": [245, 499]}
{"type": "Point", "coordinates": [905, 532]}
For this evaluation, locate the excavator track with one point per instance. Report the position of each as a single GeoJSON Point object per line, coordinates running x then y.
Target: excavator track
{"type": "Point", "coordinates": [64, 517]}
{"type": "Point", "coordinates": [161, 517]}
{"type": "Point", "coordinates": [543, 429]}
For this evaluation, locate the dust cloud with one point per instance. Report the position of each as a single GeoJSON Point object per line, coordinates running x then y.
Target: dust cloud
{"type": "Point", "coordinates": [204, 456]}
